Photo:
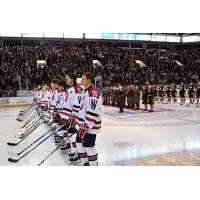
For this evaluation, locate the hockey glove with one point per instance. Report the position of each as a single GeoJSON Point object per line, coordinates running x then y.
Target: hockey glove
{"type": "Point", "coordinates": [82, 131]}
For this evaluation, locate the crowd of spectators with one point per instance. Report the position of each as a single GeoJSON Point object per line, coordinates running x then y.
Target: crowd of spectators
{"type": "Point", "coordinates": [119, 65]}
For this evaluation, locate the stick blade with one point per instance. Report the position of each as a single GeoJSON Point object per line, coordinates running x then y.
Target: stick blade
{"type": "Point", "coordinates": [12, 144]}
{"type": "Point", "coordinates": [13, 160]}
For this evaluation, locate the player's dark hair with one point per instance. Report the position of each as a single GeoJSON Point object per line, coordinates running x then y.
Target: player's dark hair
{"type": "Point", "coordinates": [89, 76]}
{"type": "Point", "coordinates": [63, 84]}
{"type": "Point", "coordinates": [55, 81]}
{"type": "Point", "coordinates": [73, 77]}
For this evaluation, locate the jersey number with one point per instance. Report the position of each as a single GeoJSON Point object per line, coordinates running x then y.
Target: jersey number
{"type": "Point", "coordinates": [93, 104]}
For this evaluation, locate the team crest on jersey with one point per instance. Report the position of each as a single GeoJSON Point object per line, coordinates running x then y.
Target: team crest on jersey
{"type": "Point", "coordinates": [95, 93]}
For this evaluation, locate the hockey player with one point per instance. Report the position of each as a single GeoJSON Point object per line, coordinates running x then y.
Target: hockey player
{"type": "Point", "coordinates": [44, 98]}
{"type": "Point", "coordinates": [38, 94]}
{"type": "Point", "coordinates": [54, 96]}
{"type": "Point", "coordinates": [89, 121]}
{"type": "Point", "coordinates": [70, 110]}
{"type": "Point", "coordinates": [62, 86]}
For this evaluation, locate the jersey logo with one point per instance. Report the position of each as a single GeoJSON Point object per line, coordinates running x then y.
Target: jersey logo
{"type": "Point", "coordinates": [93, 104]}
{"type": "Point", "coordinates": [95, 93]}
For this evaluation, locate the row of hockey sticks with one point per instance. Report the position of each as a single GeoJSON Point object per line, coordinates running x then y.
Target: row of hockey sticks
{"type": "Point", "coordinates": [19, 153]}
{"type": "Point", "coordinates": [24, 112]}
{"type": "Point", "coordinates": [31, 118]}
{"type": "Point", "coordinates": [41, 142]}
{"type": "Point", "coordinates": [32, 125]}
{"type": "Point", "coordinates": [35, 141]}
{"type": "Point", "coordinates": [23, 132]}
{"type": "Point", "coordinates": [30, 130]}
{"type": "Point", "coordinates": [32, 121]}
{"type": "Point", "coordinates": [58, 147]}
{"type": "Point", "coordinates": [22, 118]}
{"type": "Point", "coordinates": [28, 113]}
{"type": "Point", "coordinates": [25, 108]}
{"type": "Point", "coordinates": [26, 135]}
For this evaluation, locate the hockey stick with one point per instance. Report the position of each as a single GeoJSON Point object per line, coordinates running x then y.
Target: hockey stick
{"type": "Point", "coordinates": [15, 144]}
{"type": "Point", "coordinates": [52, 129]}
{"type": "Point", "coordinates": [58, 147]}
{"type": "Point", "coordinates": [16, 160]}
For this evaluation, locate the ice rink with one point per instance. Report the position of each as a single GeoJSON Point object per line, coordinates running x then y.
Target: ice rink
{"type": "Point", "coordinates": [168, 136]}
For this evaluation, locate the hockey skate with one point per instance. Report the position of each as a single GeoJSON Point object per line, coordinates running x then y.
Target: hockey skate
{"type": "Point", "coordinates": [74, 158]}
{"type": "Point", "coordinates": [66, 148]}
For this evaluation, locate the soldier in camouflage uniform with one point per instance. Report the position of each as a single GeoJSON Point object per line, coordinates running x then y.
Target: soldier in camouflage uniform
{"type": "Point", "coordinates": [120, 95]}
{"type": "Point", "coordinates": [148, 97]}
{"type": "Point", "coordinates": [129, 97]}
{"type": "Point", "coordinates": [136, 98]}
{"type": "Point", "coordinates": [113, 95]}
{"type": "Point", "coordinates": [174, 93]}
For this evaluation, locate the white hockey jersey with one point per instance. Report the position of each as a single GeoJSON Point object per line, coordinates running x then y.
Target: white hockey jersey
{"type": "Point", "coordinates": [60, 102]}
{"type": "Point", "coordinates": [90, 110]}
{"type": "Point", "coordinates": [38, 97]}
{"type": "Point", "coordinates": [71, 104]}
{"type": "Point", "coordinates": [54, 99]}
{"type": "Point", "coordinates": [49, 98]}
{"type": "Point", "coordinates": [44, 98]}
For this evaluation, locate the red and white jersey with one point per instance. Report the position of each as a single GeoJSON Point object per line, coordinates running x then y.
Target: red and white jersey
{"type": "Point", "coordinates": [72, 102]}
{"type": "Point", "coordinates": [90, 110]}
{"type": "Point", "coordinates": [48, 94]}
{"type": "Point", "coordinates": [38, 97]}
{"type": "Point", "coordinates": [61, 100]}
{"type": "Point", "coordinates": [44, 98]}
{"type": "Point", "coordinates": [54, 99]}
